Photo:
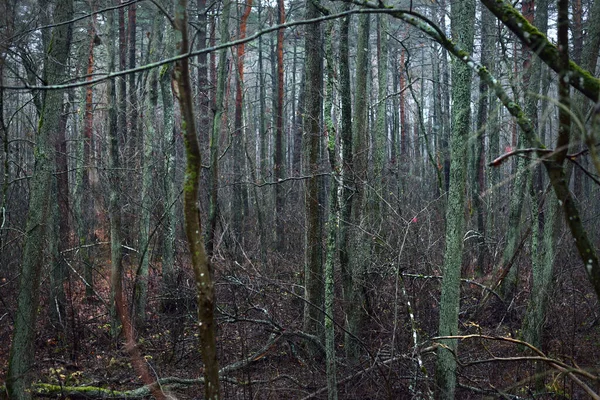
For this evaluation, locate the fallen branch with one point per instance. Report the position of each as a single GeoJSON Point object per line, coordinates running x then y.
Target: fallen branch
{"type": "Point", "coordinates": [560, 366]}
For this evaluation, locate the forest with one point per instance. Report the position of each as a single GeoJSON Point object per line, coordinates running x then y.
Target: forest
{"type": "Point", "coordinates": [285, 199]}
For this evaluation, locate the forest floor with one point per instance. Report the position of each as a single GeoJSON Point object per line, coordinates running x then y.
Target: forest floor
{"type": "Point", "coordinates": [260, 321]}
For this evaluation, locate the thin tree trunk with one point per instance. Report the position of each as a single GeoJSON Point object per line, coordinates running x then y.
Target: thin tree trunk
{"type": "Point", "coordinates": [237, 210]}
{"type": "Point", "coordinates": [479, 189]}
{"type": "Point", "coordinates": [278, 159]}
{"type": "Point", "coordinates": [193, 230]}
{"type": "Point", "coordinates": [332, 223]}
{"type": "Point", "coordinates": [347, 163]}
{"type": "Point", "coordinates": [170, 136]}
{"type": "Point", "coordinates": [148, 133]}
{"type": "Point", "coordinates": [216, 130]}
{"type": "Point", "coordinates": [380, 149]}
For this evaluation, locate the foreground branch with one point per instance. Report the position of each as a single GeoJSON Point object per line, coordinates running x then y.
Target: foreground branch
{"type": "Point", "coordinates": [570, 371]}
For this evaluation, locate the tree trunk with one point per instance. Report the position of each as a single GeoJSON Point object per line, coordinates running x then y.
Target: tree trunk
{"type": "Point", "coordinates": [237, 209]}
{"type": "Point", "coordinates": [332, 223]}
{"type": "Point", "coordinates": [358, 244]}
{"type": "Point", "coordinates": [216, 130]}
{"type": "Point", "coordinates": [22, 352]}
{"type": "Point", "coordinates": [150, 121]}
{"type": "Point", "coordinates": [347, 164]}
{"type": "Point", "coordinates": [462, 14]}
{"type": "Point", "coordinates": [192, 223]}
{"type": "Point", "coordinates": [313, 272]}
{"type": "Point", "coordinates": [170, 139]}
{"type": "Point", "coordinates": [380, 149]}
{"type": "Point", "coordinates": [278, 159]}
{"type": "Point", "coordinates": [479, 189]}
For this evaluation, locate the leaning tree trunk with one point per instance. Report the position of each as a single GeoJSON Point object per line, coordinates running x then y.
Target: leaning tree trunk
{"type": "Point", "coordinates": [22, 352]}
{"type": "Point", "coordinates": [462, 14]}
{"type": "Point", "coordinates": [192, 224]}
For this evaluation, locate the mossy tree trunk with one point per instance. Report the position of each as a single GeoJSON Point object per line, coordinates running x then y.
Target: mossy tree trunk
{"type": "Point", "coordinates": [22, 351]}
{"type": "Point", "coordinates": [192, 224]}
{"type": "Point", "coordinates": [462, 14]}
{"type": "Point", "coordinates": [358, 247]}
{"type": "Point", "coordinates": [333, 220]}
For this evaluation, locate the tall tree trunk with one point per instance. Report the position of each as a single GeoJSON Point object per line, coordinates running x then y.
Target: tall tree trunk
{"type": "Point", "coordinates": [358, 244]}
{"type": "Point", "coordinates": [333, 221]}
{"type": "Point", "coordinates": [61, 220]}
{"type": "Point", "coordinates": [134, 136]}
{"type": "Point", "coordinates": [237, 210]}
{"type": "Point", "coordinates": [278, 159]}
{"type": "Point", "coordinates": [544, 224]}
{"type": "Point", "coordinates": [479, 189]}
{"type": "Point", "coordinates": [116, 115]}
{"type": "Point", "coordinates": [216, 129]}
{"type": "Point", "coordinates": [462, 14]}
{"type": "Point", "coordinates": [192, 224]}
{"type": "Point", "coordinates": [262, 131]}
{"type": "Point", "coordinates": [380, 149]}
{"type": "Point", "coordinates": [148, 133]}
{"type": "Point", "coordinates": [347, 164]}
{"type": "Point", "coordinates": [313, 272]}
{"type": "Point", "coordinates": [87, 214]}
{"type": "Point", "coordinates": [22, 351]}
{"type": "Point", "coordinates": [204, 92]}
{"type": "Point", "coordinates": [170, 137]}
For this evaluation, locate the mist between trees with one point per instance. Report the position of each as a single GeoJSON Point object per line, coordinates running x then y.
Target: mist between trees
{"type": "Point", "coordinates": [287, 199]}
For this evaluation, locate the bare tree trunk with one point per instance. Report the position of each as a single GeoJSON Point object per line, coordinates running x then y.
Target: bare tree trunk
{"type": "Point", "coordinates": [150, 121]}
{"type": "Point", "coordinates": [216, 130]}
{"type": "Point", "coordinates": [237, 209]}
{"type": "Point", "coordinates": [313, 272]}
{"type": "Point", "coordinates": [278, 159]}
{"type": "Point", "coordinates": [358, 245]}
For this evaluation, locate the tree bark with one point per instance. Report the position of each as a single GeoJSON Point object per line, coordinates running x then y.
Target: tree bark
{"type": "Point", "coordinates": [358, 244]}
{"type": "Point", "coordinates": [278, 159]}
{"type": "Point", "coordinates": [216, 130]}
{"type": "Point", "coordinates": [462, 14]}
{"type": "Point", "coordinates": [22, 352]}
{"type": "Point", "coordinates": [192, 223]}
{"type": "Point", "coordinates": [313, 272]}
